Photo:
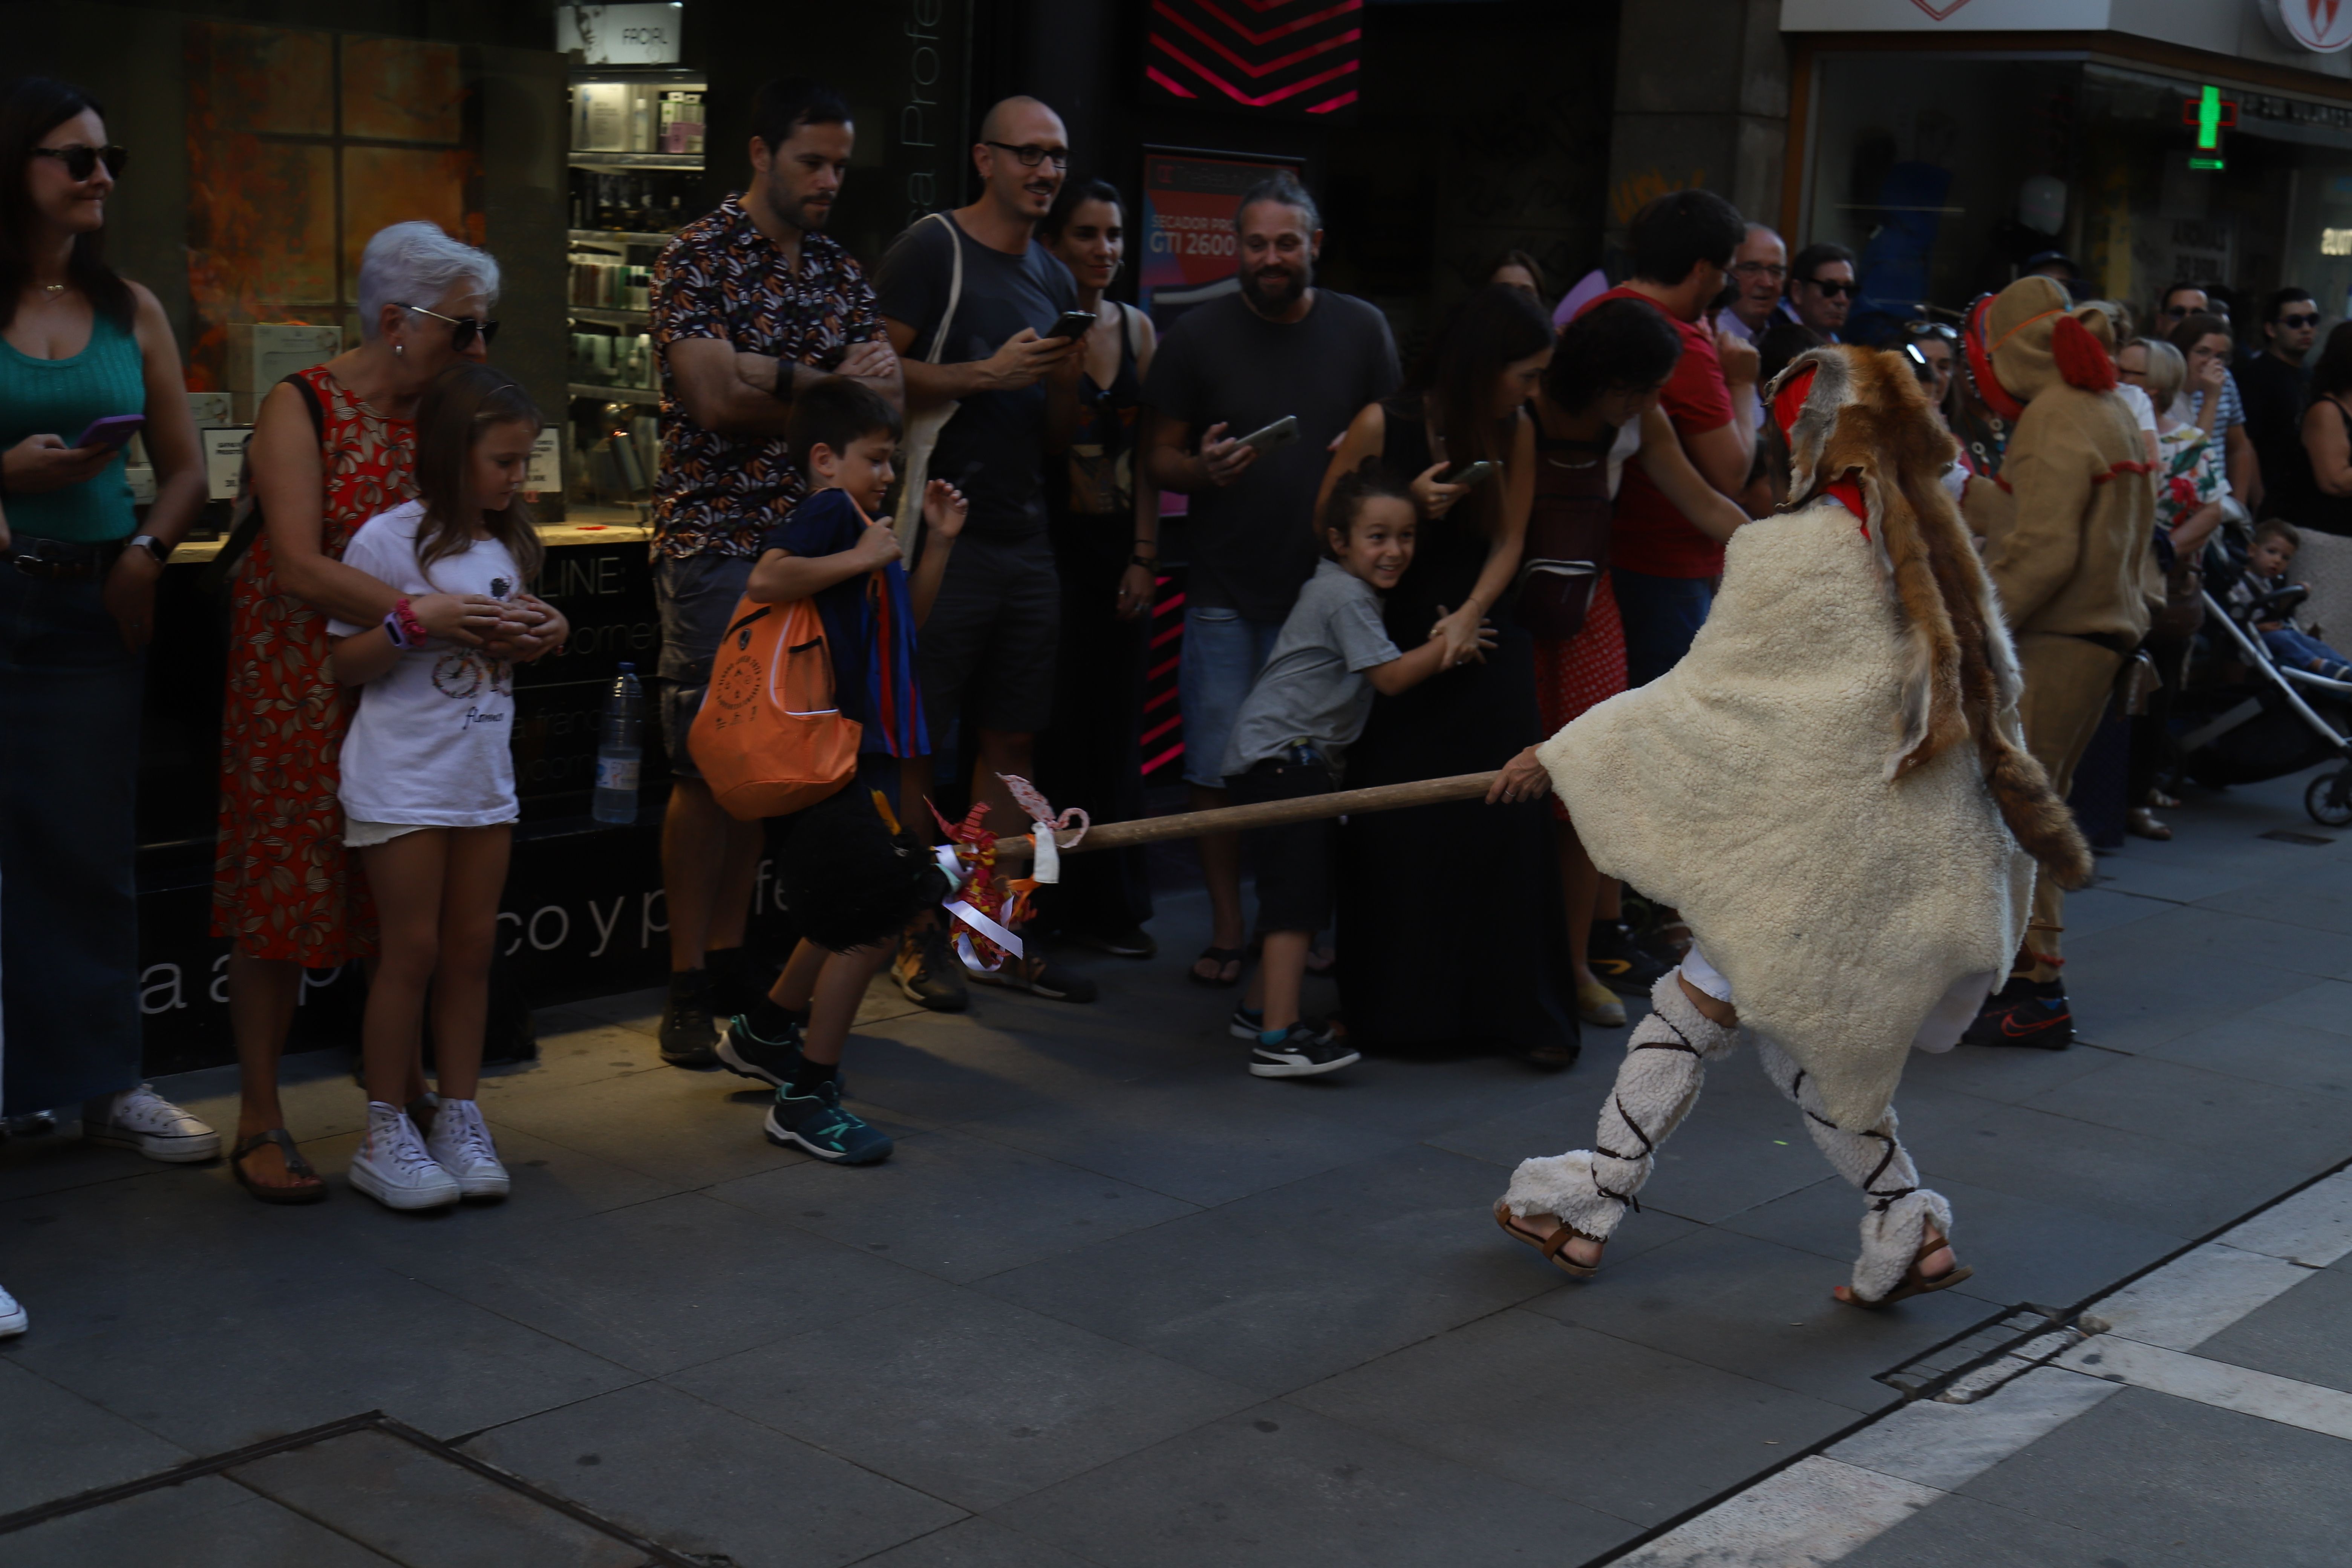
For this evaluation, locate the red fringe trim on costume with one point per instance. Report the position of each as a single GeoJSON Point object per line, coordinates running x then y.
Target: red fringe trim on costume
{"type": "Point", "coordinates": [2124, 468]}
{"type": "Point", "coordinates": [2081, 358]}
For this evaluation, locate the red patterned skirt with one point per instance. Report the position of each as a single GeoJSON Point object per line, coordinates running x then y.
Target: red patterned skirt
{"type": "Point", "coordinates": [1578, 672]}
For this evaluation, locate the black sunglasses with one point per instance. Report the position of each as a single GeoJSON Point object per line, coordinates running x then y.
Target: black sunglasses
{"type": "Point", "coordinates": [2310, 321]}
{"type": "Point", "coordinates": [82, 162]}
{"type": "Point", "coordinates": [1031, 157]}
{"type": "Point", "coordinates": [1835, 289]}
{"type": "Point", "coordinates": [461, 328]}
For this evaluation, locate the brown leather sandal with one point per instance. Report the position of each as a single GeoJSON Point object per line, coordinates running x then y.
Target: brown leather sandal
{"type": "Point", "coordinates": [1914, 1283]}
{"type": "Point", "coordinates": [307, 1187]}
{"type": "Point", "coordinates": [1549, 1245]}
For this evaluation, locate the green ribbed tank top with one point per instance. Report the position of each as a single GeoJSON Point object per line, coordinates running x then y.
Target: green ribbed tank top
{"type": "Point", "coordinates": [60, 397]}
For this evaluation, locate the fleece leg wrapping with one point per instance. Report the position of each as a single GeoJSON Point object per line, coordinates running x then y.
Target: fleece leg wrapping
{"type": "Point", "coordinates": [1658, 1082]}
{"type": "Point", "coordinates": [1900, 1209]}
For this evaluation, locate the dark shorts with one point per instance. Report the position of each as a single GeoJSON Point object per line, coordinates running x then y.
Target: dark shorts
{"type": "Point", "coordinates": [1292, 863]}
{"type": "Point", "coordinates": [693, 596]}
{"type": "Point", "coordinates": [1662, 615]}
{"type": "Point", "coordinates": [987, 652]}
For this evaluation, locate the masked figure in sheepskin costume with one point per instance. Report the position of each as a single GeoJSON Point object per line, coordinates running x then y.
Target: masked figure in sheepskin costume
{"type": "Point", "coordinates": [1832, 788]}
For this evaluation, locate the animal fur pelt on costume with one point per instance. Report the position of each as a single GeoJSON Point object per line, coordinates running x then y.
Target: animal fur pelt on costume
{"type": "Point", "coordinates": [1798, 787]}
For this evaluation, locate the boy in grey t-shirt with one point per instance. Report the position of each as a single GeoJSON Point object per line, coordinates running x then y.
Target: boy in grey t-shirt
{"type": "Point", "coordinates": [1307, 706]}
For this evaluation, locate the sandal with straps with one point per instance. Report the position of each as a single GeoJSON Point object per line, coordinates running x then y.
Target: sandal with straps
{"type": "Point", "coordinates": [1220, 957]}
{"type": "Point", "coordinates": [1549, 1245]}
{"type": "Point", "coordinates": [1914, 1283]}
{"type": "Point", "coordinates": [307, 1188]}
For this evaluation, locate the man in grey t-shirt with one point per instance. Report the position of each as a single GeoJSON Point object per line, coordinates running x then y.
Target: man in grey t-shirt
{"type": "Point", "coordinates": [1279, 347]}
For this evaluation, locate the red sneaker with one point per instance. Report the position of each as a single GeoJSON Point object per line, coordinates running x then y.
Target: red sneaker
{"type": "Point", "coordinates": [2025, 1013]}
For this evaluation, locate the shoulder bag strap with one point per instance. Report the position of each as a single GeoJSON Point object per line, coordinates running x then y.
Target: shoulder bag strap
{"type": "Point", "coordinates": [955, 286]}
{"type": "Point", "coordinates": [244, 518]}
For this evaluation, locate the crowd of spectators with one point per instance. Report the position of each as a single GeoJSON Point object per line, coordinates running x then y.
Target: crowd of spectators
{"type": "Point", "coordinates": [1390, 574]}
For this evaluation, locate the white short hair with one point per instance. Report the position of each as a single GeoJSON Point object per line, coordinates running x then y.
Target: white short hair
{"type": "Point", "coordinates": [416, 264]}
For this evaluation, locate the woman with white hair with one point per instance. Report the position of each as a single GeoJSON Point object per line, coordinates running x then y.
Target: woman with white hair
{"type": "Point", "coordinates": [334, 446]}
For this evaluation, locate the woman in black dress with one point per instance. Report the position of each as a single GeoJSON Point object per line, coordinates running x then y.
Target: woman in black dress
{"type": "Point", "coordinates": [1104, 513]}
{"type": "Point", "coordinates": [1451, 929]}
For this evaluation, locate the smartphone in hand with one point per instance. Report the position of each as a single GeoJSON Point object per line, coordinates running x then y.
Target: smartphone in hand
{"type": "Point", "coordinates": [114, 430]}
{"type": "Point", "coordinates": [1477, 473]}
{"type": "Point", "coordinates": [1281, 433]}
{"type": "Point", "coordinates": [1072, 324]}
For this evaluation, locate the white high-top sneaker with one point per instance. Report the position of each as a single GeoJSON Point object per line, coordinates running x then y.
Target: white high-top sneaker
{"type": "Point", "coordinates": [392, 1166]}
{"type": "Point", "coordinates": [143, 1119]}
{"type": "Point", "coordinates": [12, 1316]}
{"type": "Point", "coordinates": [461, 1145]}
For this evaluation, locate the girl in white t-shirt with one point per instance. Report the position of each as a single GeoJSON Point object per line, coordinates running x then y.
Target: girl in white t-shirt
{"type": "Point", "coordinates": [428, 776]}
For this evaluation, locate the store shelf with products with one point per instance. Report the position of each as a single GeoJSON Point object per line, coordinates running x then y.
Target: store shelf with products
{"type": "Point", "coordinates": [690, 162]}
{"type": "Point", "coordinates": [606, 317]}
{"type": "Point", "coordinates": [616, 393]}
{"type": "Point", "coordinates": [622, 236]}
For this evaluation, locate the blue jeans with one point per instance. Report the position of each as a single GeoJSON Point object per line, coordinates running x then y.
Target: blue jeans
{"type": "Point", "coordinates": [69, 1023]}
{"type": "Point", "coordinates": [1661, 615]}
{"type": "Point", "coordinates": [1223, 652]}
{"type": "Point", "coordinates": [2305, 651]}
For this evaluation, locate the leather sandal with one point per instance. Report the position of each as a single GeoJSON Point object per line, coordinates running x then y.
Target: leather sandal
{"type": "Point", "coordinates": [1914, 1283]}
{"type": "Point", "coordinates": [1220, 957]}
{"type": "Point", "coordinates": [307, 1188]}
{"type": "Point", "coordinates": [1549, 1245]}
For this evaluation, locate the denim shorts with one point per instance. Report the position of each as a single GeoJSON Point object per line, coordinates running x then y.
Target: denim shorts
{"type": "Point", "coordinates": [694, 595]}
{"type": "Point", "coordinates": [1662, 615]}
{"type": "Point", "coordinates": [1223, 652]}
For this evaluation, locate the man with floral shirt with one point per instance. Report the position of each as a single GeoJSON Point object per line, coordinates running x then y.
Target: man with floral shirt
{"type": "Point", "coordinates": [749, 303]}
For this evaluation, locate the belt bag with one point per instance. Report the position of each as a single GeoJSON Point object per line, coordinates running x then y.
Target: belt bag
{"type": "Point", "coordinates": [923, 426]}
{"type": "Point", "coordinates": [1555, 597]}
{"type": "Point", "coordinates": [772, 738]}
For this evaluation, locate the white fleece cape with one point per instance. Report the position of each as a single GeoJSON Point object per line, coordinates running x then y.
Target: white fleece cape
{"type": "Point", "coordinates": [1854, 915]}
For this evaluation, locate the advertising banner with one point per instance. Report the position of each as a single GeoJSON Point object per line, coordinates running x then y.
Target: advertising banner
{"type": "Point", "coordinates": [1187, 241]}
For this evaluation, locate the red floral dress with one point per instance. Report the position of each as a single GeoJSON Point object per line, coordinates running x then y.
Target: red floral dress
{"type": "Point", "coordinates": [283, 885]}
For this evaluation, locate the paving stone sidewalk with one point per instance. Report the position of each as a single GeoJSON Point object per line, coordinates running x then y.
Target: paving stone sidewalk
{"type": "Point", "coordinates": [1115, 1302]}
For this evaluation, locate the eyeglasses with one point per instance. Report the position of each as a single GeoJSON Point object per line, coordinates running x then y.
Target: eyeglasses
{"type": "Point", "coordinates": [461, 328]}
{"type": "Point", "coordinates": [1031, 156]}
{"type": "Point", "coordinates": [2310, 321]}
{"type": "Point", "coordinates": [1834, 290]}
{"type": "Point", "coordinates": [1924, 329]}
{"type": "Point", "coordinates": [1760, 269]}
{"type": "Point", "coordinates": [81, 161]}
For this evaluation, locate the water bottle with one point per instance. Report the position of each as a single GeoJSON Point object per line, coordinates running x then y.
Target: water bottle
{"type": "Point", "coordinates": [618, 749]}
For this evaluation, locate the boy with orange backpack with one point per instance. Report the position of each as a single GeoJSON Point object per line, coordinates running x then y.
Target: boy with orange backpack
{"type": "Point", "coordinates": [837, 550]}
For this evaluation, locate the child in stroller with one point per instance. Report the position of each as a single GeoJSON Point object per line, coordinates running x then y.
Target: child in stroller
{"type": "Point", "coordinates": [2264, 600]}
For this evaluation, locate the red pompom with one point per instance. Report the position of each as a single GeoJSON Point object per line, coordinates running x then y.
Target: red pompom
{"type": "Point", "coordinates": [2082, 358]}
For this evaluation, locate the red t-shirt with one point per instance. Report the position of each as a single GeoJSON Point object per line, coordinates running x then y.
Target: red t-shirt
{"type": "Point", "coordinates": [1649, 533]}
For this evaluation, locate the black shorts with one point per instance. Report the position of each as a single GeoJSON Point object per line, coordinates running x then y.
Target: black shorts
{"type": "Point", "coordinates": [1292, 863]}
{"type": "Point", "coordinates": [987, 652]}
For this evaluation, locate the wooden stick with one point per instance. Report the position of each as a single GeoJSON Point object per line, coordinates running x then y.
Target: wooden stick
{"type": "Point", "coordinates": [1264, 814]}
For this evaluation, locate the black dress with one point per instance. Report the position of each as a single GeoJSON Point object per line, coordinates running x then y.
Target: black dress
{"type": "Point", "coordinates": [1451, 929]}
{"type": "Point", "coordinates": [1092, 755]}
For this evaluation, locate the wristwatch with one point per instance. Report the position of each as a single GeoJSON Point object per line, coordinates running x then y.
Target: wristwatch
{"type": "Point", "coordinates": [152, 546]}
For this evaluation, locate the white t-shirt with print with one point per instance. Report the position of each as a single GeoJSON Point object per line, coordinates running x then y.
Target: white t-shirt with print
{"type": "Point", "coordinates": [433, 741]}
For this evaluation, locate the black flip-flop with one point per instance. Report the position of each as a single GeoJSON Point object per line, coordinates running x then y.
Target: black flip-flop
{"type": "Point", "coordinates": [1220, 956]}
{"type": "Point", "coordinates": [296, 1166]}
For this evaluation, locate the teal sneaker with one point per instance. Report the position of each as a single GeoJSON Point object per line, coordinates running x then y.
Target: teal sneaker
{"type": "Point", "coordinates": [743, 1053]}
{"type": "Point", "coordinates": [817, 1123]}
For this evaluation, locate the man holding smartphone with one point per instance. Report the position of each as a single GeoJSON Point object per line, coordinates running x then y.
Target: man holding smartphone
{"type": "Point", "coordinates": [968, 297]}
{"type": "Point", "coordinates": [1279, 347]}
{"type": "Point", "coordinates": [749, 303]}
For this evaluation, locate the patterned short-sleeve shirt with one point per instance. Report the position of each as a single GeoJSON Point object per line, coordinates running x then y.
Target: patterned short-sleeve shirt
{"type": "Point", "coordinates": [721, 278]}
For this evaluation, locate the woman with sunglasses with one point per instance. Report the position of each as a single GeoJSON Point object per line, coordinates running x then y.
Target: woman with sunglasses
{"type": "Point", "coordinates": [334, 446]}
{"type": "Point", "coordinates": [86, 358]}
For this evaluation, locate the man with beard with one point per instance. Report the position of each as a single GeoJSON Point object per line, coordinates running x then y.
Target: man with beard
{"type": "Point", "coordinates": [1279, 347]}
{"type": "Point", "coordinates": [966, 295]}
{"type": "Point", "coordinates": [749, 303]}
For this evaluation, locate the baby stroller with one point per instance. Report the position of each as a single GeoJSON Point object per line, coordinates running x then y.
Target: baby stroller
{"type": "Point", "coordinates": [2276, 720]}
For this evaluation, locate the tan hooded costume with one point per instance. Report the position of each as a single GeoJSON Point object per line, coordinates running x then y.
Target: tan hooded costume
{"type": "Point", "coordinates": [2067, 531]}
{"type": "Point", "coordinates": [1831, 788]}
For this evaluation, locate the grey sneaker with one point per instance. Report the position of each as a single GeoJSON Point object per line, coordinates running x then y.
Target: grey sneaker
{"type": "Point", "coordinates": [1300, 1052]}
{"type": "Point", "coordinates": [143, 1119]}
{"type": "Point", "coordinates": [393, 1167]}
{"type": "Point", "coordinates": [688, 1038]}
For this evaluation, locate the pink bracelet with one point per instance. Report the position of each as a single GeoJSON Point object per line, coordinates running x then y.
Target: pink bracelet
{"type": "Point", "coordinates": [403, 627]}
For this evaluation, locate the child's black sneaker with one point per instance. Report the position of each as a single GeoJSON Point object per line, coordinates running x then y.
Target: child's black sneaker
{"type": "Point", "coordinates": [1619, 960]}
{"type": "Point", "coordinates": [2025, 1013]}
{"type": "Point", "coordinates": [1298, 1052]}
{"type": "Point", "coordinates": [815, 1121]}
{"type": "Point", "coordinates": [744, 1053]}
